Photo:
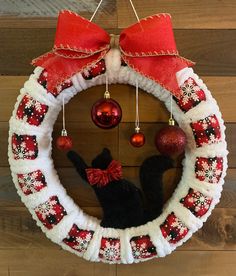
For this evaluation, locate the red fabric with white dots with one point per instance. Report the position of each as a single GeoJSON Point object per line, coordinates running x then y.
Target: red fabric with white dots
{"type": "Point", "coordinates": [78, 239]}
{"type": "Point", "coordinates": [196, 202]}
{"type": "Point", "coordinates": [142, 247]}
{"type": "Point", "coordinates": [206, 131]}
{"type": "Point", "coordinates": [51, 212]}
{"type": "Point", "coordinates": [31, 111]}
{"type": "Point", "coordinates": [32, 182]}
{"type": "Point", "coordinates": [24, 147]}
{"type": "Point", "coordinates": [173, 229]}
{"type": "Point", "coordinates": [190, 95]}
{"type": "Point", "coordinates": [110, 249]}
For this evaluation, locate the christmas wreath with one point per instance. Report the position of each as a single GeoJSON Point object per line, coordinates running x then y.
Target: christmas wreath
{"type": "Point", "coordinates": [82, 56]}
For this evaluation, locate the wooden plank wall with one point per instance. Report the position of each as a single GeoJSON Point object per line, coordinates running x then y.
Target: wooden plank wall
{"type": "Point", "coordinates": [205, 32]}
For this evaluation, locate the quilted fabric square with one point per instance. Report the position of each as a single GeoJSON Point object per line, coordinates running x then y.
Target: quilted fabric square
{"type": "Point", "coordinates": [206, 131]}
{"type": "Point", "coordinates": [196, 202]}
{"type": "Point", "coordinates": [209, 169]}
{"type": "Point", "coordinates": [78, 239]}
{"type": "Point", "coordinates": [51, 212]}
{"type": "Point", "coordinates": [142, 247]}
{"type": "Point", "coordinates": [173, 229]}
{"type": "Point", "coordinates": [24, 147]}
{"type": "Point", "coordinates": [31, 182]}
{"type": "Point", "coordinates": [56, 91]}
{"type": "Point", "coordinates": [31, 111]}
{"type": "Point", "coordinates": [97, 69]}
{"type": "Point", "coordinates": [109, 249]}
{"type": "Point", "coordinates": [191, 95]}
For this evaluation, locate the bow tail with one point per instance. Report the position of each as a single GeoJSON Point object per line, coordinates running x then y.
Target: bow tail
{"type": "Point", "coordinates": [59, 68]}
{"type": "Point", "coordinates": [161, 69]}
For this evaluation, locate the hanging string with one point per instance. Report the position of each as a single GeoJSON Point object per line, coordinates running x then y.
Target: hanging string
{"type": "Point", "coordinates": [135, 12]}
{"type": "Point", "coordinates": [171, 120]}
{"type": "Point", "coordinates": [137, 128]}
{"type": "Point", "coordinates": [106, 82]}
{"type": "Point", "coordinates": [98, 6]}
{"type": "Point", "coordinates": [171, 107]}
{"type": "Point", "coordinates": [63, 115]}
{"type": "Point", "coordinates": [107, 93]}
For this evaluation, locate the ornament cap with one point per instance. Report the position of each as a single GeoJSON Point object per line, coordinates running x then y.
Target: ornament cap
{"type": "Point", "coordinates": [171, 122]}
{"type": "Point", "coordinates": [107, 95]}
{"type": "Point", "coordinates": [137, 129]}
{"type": "Point", "coordinates": [64, 132]}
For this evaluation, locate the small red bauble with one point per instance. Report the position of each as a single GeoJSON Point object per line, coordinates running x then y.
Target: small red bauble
{"type": "Point", "coordinates": [137, 139]}
{"type": "Point", "coordinates": [64, 142]}
{"type": "Point", "coordinates": [171, 140]}
{"type": "Point", "coordinates": [106, 113]}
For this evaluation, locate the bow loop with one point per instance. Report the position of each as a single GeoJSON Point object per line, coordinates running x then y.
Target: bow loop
{"type": "Point", "coordinates": [78, 44]}
{"type": "Point", "coordinates": [78, 36]}
{"type": "Point", "coordinates": [102, 177]}
{"type": "Point", "coordinates": [151, 36]}
{"type": "Point", "coordinates": [148, 47]}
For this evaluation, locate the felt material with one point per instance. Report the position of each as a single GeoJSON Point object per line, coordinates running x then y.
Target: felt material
{"type": "Point", "coordinates": [80, 44]}
{"type": "Point", "coordinates": [121, 200]}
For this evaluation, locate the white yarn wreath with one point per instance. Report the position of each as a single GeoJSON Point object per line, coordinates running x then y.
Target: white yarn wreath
{"type": "Point", "coordinates": [118, 246]}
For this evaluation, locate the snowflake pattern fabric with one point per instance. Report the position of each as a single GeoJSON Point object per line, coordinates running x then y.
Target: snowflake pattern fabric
{"type": "Point", "coordinates": [110, 249]}
{"type": "Point", "coordinates": [173, 229]}
{"type": "Point", "coordinates": [196, 202]}
{"type": "Point", "coordinates": [78, 239]}
{"type": "Point", "coordinates": [142, 247]}
{"type": "Point", "coordinates": [97, 69]}
{"type": "Point", "coordinates": [191, 95]}
{"type": "Point", "coordinates": [51, 212]}
{"type": "Point", "coordinates": [24, 147]}
{"type": "Point", "coordinates": [56, 91]}
{"type": "Point", "coordinates": [31, 111]}
{"type": "Point", "coordinates": [209, 169]}
{"type": "Point", "coordinates": [31, 182]}
{"type": "Point", "coordinates": [206, 131]}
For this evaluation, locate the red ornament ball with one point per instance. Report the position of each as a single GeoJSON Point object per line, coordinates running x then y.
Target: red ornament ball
{"type": "Point", "coordinates": [106, 113]}
{"type": "Point", "coordinates": [171, 140]}
{"type": "Point", "coordinates": [137, 139]}
{"type": "Point", "coordinates": [64, 143]}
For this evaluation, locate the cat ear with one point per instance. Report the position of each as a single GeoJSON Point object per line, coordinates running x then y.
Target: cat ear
{"type": "Point", "coordinates": [102, 160]}
{"type": "Point", "coordinates": [79, 163]}
{"type": "Point", "coordinates": [106, 151]}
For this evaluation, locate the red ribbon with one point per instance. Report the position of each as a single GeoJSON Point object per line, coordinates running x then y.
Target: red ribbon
{"type": "Point", "coordinates": [103, 177]}
{"type": "Point", "coordinates": [148, 47]}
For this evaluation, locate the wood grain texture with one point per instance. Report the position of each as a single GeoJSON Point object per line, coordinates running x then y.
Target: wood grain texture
{"type": "Point", "coordinates": [89, 141]}
{"type": "Point", "coordinates": [131, 156]}
{"type": "Point", "coordinates": [41, 14]}
{"type": "Point", "coordinates": [19, 230]}
{"type": "Point", "coordinates": [185, 14]}
{"type": "Point", "coordinates": [222, 88]}
{"type": "Point", "coordinates": [205, 32]}
{"type": "Point", "coordinates": [50, 262]}
{"type": "Point", "coordinates": [50, 8]}
{"type": "Point", "coordinates": [203, 46]}
{"type": "Point", "coordinates": [84, 196]}
{"type": "Point", "coordinates": [185, 263]}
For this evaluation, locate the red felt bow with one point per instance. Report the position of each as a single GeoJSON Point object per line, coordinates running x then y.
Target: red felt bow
{"type": "Point", "coordinates": [103, 177]}
{"type": "Point", "coordinates": [148, 47]}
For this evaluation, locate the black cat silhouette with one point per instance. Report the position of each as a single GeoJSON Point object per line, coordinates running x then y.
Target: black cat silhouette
{"type": "Point", "coordinates": [122, 202]}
